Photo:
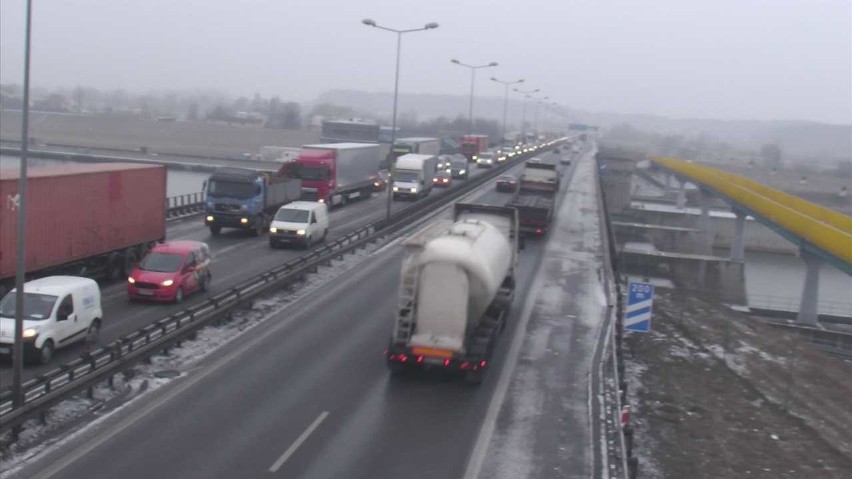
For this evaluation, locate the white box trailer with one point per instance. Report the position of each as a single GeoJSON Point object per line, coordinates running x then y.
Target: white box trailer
{"type": "Point", "coordinates": [457, 283]}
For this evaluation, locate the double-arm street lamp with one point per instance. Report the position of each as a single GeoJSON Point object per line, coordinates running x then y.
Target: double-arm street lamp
{"type": "Point", "coordinates": [473, 69]}
{"type": "Point", "coordinates": [506, 84]}
{"type": "Point", "coordinates": [524, 120]}
{"type": "Point", "coordinates": [391, 157]}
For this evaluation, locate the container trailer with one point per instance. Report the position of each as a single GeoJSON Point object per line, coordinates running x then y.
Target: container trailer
{"type": "Point", "coordinates": [93, 220]}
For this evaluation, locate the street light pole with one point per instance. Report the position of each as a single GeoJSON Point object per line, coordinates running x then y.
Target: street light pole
{"type": "Point", "coordinates": [505, 108]}
{"type": "Point", "coordinates": [391, 156]}
{"type": "Point", "coordinates": [473, 69]}
{"type": "Point", "coordinates": [535, 121]}
{"type": "Point", "coordinates": [524, 117]}
{"type": "Point", "coordinates": [20, 264]}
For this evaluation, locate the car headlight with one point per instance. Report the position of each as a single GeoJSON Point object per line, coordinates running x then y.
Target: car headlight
{"type": "Point", "coordinates": [300, 232]}
{"type": "Point", "coordinates": [489, 162]}
{"type": "Point", "coordinates": [168, 282]}
{"type": "Point", "coordinates": [396, 188]}
{"type": "Point", "coordinates": [210, 219]}
{"type": "Point", "coordinates": [273, 229]}
{"type": "Point", "coordinates": [321, 200]}
{"type": "Point", "coordinates": [244, 221]}
{"type": "Point", "coordinates": [474, 157]}
{"type": "Point", "coordinates": [376, 184]}
{"type": "Point", "coordinates": [414, 190]}
{"type": "Point", "coordinates": [30, 333]}
{"type": "Point", "coordinates": [461, 172]}
{"type": "Point", "coordinates": [446, 180]}
{"type": "Point", "coordinates": [131, 280]}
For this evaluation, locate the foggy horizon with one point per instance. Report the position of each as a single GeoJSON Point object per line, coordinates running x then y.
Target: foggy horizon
{"type": "Point", "coordinates": [787, 60]}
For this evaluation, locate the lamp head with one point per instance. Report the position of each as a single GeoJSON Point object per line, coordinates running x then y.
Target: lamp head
{"type": "Point", "coordinates": [430, 25]}
{"type": "Point", "coordinates": [368, 22]}
{"type": "Point", "coordinates": [454, 60]}
{"type": "Point", "coordinates": [492, 64]}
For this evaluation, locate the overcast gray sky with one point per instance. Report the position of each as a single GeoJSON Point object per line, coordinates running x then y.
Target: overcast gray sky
{"type": "Point", "coordinates": [726, 59]}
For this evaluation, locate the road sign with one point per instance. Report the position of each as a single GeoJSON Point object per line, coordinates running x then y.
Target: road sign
{"type": "Point", "coordinates": [640, 299]}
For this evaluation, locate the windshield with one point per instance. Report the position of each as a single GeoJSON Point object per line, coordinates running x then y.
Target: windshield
{"type": "Point", "coordinates": [36, 306]}
{"type": "Point", "coordinates": [313, 173]}
{"type": "Point", "coordinates": [231, 189]}
{"type": "Point", "coordinates": [161, 262]}
{"type": "Point", "coordinates": [407, 176]}
{"type": "Point", "coordinates": [292, 216]}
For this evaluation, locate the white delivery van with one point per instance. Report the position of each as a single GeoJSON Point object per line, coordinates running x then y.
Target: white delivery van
{"type": "Point", "coordinates": [413, 175]}
{"type": "Point", "coordinates": [301, 222]}
{"type": "Point", "coordinates": [58, 311]}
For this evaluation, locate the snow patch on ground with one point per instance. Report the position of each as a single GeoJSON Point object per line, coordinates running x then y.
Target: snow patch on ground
{"type": "Point", "coordinates": [37, 438]}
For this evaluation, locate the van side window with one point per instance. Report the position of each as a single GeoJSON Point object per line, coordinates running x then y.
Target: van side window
{"type": "Point", "coordinates": [66, 307]}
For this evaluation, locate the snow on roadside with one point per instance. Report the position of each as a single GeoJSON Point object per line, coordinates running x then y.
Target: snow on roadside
{"type": "Point", "coordinates": [37, 438]}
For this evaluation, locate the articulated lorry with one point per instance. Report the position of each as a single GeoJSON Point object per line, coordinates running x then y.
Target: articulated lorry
{"type": "Point", "coordinates": [413, 175]}
{"type": "Point", "coordinates": [536, 197]}
{"type": "Point", "coordinates": [421, 146]}
{"type": "Point", "coordinates": [335, 173]}
{"type": "Point", "coordinates": [82, 219]}
{"type": "Point", "coordinates": [473, 145]}
{"type": "Point", "coordinates": [456, 287]}
{"type": "Point", "coordinates": [246, 199]}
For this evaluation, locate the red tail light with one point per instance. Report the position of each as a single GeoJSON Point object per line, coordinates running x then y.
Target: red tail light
{"type": "Point", "coordinates": [446, 362]}
{"type": "Point", "coordinates": [465, 365]}
{"type": "Point", "coordinates": [420, 358]}
{"type": "Point", "coordinates": [482, 363]}
{"type": "Point", "coordinates": [403, 358]}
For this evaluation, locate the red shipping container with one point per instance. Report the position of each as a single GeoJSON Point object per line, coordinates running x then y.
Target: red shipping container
{"type": "Point", "coordinates": [79, 211]}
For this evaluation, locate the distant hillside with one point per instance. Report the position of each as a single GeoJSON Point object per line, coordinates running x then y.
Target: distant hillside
{"type": "Point", "coordinates": [796, 138]}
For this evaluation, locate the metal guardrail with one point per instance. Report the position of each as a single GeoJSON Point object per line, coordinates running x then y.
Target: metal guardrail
{"type": "Point", "coordinates": [838, 343]}
{"type": "Point", "coordinates": [184, 205]}
{"type": "Point", "coordinates": [51, 388]}
{"type": "Point", "coordinates": [791, 304]}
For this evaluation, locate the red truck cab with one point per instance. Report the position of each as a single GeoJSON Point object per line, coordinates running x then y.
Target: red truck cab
{"type": "Point", "coordinates": [317, 172]}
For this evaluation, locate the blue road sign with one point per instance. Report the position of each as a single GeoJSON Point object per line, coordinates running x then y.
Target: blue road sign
{"type": "Point", "coordinates": [640, 300]}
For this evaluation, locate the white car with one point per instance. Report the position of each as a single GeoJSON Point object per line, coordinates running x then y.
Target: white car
{"type": "Point", "coordinates": [58, 311]}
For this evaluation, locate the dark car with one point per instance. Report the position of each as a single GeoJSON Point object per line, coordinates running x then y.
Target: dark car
{"type": "Point", "coordinates": [507, 183]}
{"type": "Point", "coordinates": [443, 179]}
{"type": "Point", "coordinates": [565, 160]}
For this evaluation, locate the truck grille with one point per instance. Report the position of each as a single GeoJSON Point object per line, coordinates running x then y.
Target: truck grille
{"type": "Point", "coordinates": [309, 194]}
{"type": "Point", "coordinates": [226, 208]}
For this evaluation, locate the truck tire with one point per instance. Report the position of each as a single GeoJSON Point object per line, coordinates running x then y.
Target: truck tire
{"type": "Point", "coordinates": [215, 230]}
{"type": "Point", "coordinates": [93, 333]}
{"type": "Point", "coordinates": [205, 283]}
{"type": "Point", "coordinates": [130, 259]}
{"type": "Point", "coordinates": [112, 267]}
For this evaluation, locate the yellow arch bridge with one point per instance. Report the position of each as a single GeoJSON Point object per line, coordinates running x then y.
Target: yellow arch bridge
{"type": "Point", "coordinates": [818, 230]}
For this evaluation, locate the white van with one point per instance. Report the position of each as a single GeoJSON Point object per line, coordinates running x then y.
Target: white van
{"type": "Point", "coordinates": [302, 222]}
{"type": "Point", "coordinates": [58, 311]}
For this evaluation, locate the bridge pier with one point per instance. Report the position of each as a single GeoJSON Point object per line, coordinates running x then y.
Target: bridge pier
{"type": "Point", "coordinates": [808, 313]}
{"type": "Point", "coordinates": [738, 245]}
{"type": "Point", "coordinates": [704, 223]}
{"type": "Point", "coordinates": [680, 201]}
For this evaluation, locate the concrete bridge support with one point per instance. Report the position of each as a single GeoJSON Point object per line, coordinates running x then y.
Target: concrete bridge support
{"type": "Point", "coordinates": [680, 202]}
{"type": "Point", "coordinates": [704, 223]}
{"type": "Point", "coordinates": [738, 245]}
{"type": "Point", "coordinates": [808, 313]}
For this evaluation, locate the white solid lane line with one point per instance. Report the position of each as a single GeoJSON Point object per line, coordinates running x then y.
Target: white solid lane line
{"type": "Point", "coordinates": [304, 437]}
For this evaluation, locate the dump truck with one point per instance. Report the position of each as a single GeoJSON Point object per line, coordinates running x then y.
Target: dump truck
{"type": "Point", "coordinates": [534, 213]}
{"type": "Point", "coordinates": [456, 287]}
{"type": "Point", "coordinates": [246, 199]}
{"type": "Point", "coordinates": [93, 220]}
{"type": "Point", "coordinates": [539, 177]}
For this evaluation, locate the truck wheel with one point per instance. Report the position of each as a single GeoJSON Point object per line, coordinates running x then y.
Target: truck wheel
{"type": "Point", "coordinates": [205, 283]}
{"type": "Point", "coordinates": [215, 230]}
{"type": "Point", "coordinates": [473, 377]}
{"type": "Point", "coordinates": [130, 260]}
{"type": "Point", "coordinates": [112, 269]}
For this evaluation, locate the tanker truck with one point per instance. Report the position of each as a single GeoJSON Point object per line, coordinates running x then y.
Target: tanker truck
{"type": "Point", "coordinates": [456, 287]}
